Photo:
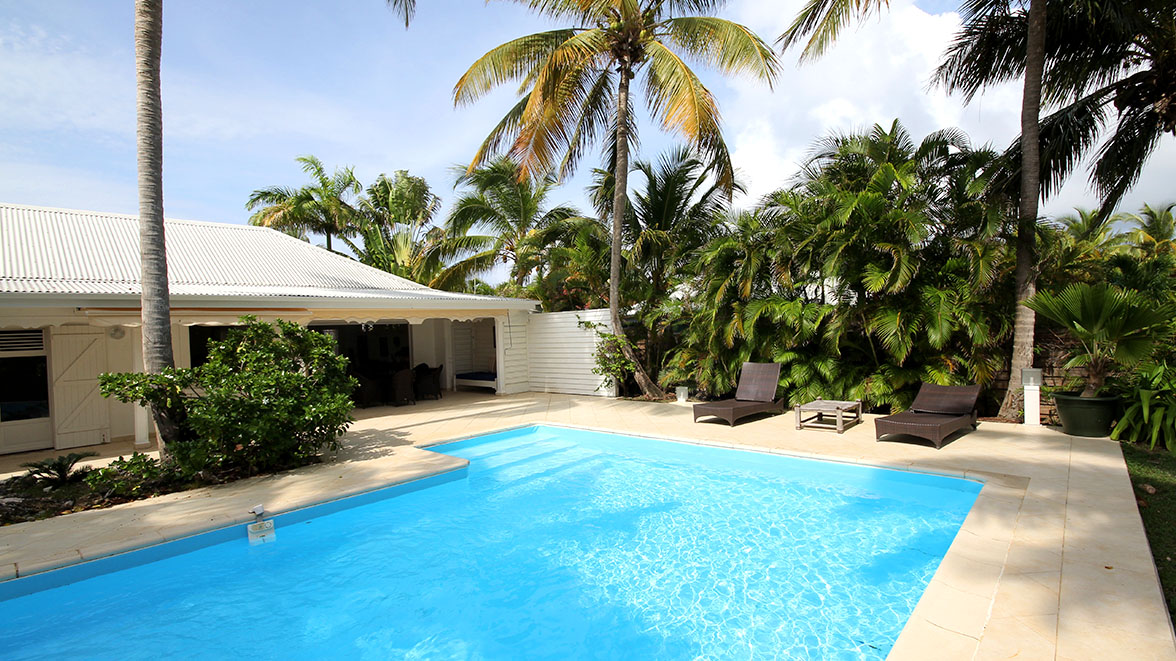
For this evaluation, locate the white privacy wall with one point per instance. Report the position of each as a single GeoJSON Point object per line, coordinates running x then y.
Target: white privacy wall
{"type": "Point", "coordinates": [512, 341]}
{"type": "Point", "coordinates": [561, 354]}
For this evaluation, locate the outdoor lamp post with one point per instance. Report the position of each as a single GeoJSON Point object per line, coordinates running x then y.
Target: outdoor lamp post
{"type": "Point", "coordinates": [1031, 380]}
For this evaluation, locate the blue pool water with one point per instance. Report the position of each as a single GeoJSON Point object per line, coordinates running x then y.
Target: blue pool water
{"type": "Point", "coordinates": [556, 544]}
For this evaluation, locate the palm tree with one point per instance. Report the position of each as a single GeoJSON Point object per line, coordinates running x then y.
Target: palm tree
{"type": "Point", "coordinates": [671, 216]}
{"type": "Point", "coordinates": [822, 20]}
{"type": "Point", "coordinates": [575, 86]}
{"type": "Point", "coordinates": [876, 269]}
{"type": "Point", "coordinates": [323, 207]}
{"type": "Point", "coordinates": [156, 302]}
{"type": "Point", "coordinates": [512, 210]}
{"type": "Point", "coordinates": [395, 222]}
{"type": "Point", "coordinates": [1154, 230]}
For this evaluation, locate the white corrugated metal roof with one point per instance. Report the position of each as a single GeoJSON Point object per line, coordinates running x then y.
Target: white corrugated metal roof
{"type": "Point", "coordinates": [67, 252]}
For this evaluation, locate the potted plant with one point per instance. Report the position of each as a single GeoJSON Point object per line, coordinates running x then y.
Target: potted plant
{"type": "Point", "coordinates": [1114, 327]}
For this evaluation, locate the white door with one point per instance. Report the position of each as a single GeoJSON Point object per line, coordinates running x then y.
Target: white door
{"type": "Point", "coordinates": [81, 416]}
{"type": "Point", "coordinates": [24, 392]}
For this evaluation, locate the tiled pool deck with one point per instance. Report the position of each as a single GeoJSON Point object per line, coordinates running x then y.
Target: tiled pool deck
{"type": "Point", "coordinates": [1051, 563]}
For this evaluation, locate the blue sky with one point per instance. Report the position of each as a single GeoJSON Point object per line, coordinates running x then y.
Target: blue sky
{"type": "Point", "coordinates": [248, 86]}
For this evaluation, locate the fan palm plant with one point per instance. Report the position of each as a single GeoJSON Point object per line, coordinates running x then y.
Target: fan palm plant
{"type": "Point", "coordinates": [575, 86]}
{"type": "Point", "coordinates": [1113, 326]}
{"type": "Point", "coordinates": [325, 206]}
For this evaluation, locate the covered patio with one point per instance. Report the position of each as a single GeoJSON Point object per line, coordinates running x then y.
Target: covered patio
{"type": "Point", "coordinates": [1052, 561]}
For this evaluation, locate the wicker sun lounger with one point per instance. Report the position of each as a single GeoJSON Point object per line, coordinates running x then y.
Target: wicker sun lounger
{"type": "Point", "coordinates": [937, 412]}
{"type": "Point", "coordinates": [756, 394]}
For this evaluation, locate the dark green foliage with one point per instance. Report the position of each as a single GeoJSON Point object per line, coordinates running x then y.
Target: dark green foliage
{"type": "Point", "coordinates": [270, 396]}
{"type": "Point", "coordinates": [1114, 327]}
{"type": "Point", "coordinates": [138, 476]}
{"type": "Point", "coordinates": [883, 265]}
{"type": "Point", "coordinates": [58, 471]}
{"type": "Point", "coordinates": [1150, 413]}
{"type": "Point", "coordinates": [611, 361]}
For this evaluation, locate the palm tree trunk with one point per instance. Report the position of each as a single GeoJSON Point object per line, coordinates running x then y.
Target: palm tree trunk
{"type": "Point", "coordinates": [156, 305]}
{"type": "Point", "coordinates": [620, 199]}
{"type": "Point", "coordinates": [1026, 275]}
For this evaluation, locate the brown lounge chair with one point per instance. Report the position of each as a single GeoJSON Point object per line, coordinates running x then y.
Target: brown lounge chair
{"type": "Point", "coordinates": [756, 394]}
{"type": "Point", "coordinates": [937, 412]}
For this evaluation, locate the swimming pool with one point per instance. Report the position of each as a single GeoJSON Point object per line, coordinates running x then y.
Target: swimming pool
{"type": "Point", "coordinates": [554, 543]}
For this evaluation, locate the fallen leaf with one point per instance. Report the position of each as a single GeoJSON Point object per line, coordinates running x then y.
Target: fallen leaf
{"type": "Point", "coordinates": [1148, 488]}
{"type": "Point", "coordinates": [1141, 502]}
{"type": "Point", "coordinates": [1108, 567]}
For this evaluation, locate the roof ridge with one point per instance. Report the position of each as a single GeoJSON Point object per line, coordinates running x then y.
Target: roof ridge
{"type": "Point", "coordinates": [127, 216]}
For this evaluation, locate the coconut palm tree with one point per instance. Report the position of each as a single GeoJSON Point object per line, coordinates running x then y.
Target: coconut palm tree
{"type": "Point", "coordinates": [156, 302]}
{"type": "Point", "coordinates": [672, 214]}
{"type": "Point", "coordinates": [822, 20]}
{"type": "Point", "coordinates": [575, 86]}
{"type": "Point", "coordinates": [512, 211]}
{"type": "Point", "coordinates": [325, 206]}
{"type": "Point", "coordinates": [1154, 229]}
{"type": "Point", "coordinates": [394, 221]}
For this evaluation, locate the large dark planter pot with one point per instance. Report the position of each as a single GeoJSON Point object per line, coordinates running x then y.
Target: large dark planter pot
{"type": "Point", "coordinates": [1086, 416]}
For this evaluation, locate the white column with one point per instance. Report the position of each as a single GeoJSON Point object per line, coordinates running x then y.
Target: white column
{"type": "Point", "coordinates": [142, 418]}
{"type": "Point", "coordinates": [1033, 406]}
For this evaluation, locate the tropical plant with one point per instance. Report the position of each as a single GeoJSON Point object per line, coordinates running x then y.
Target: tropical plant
{"type": "Point", "coordinates": [59, 471]}
{"type": "Point", "coordinates": [822, 20]}
{"type": "Point", "coordinates": [672, 214]}
{"type": "Point", "coordinates": [325, 206]}
{"type": "Point", "coordinates": [1113, 327]}
{"type": "Point", "coordinates": [134, 477]}
{"type": "Point", "coordinates": [155, 301]}
{"type": "Point", "coordinates": [1078, 247]}
{"type": "Point", "coordinates": [1150, 415]}
{"type": "Point", "coordinates": [575, 86]}
{"type": "Point", "coordinates": [574, 272]}
{"type": "Point", "coordinates": [512, 212]}
{"type": "Point", "coordinates": [1154, 229]}
{"type": "Point", "coordinates": [270, 396]}
{"type": "Point", "coordinates": [394, 221]}
{"type": "Point", "coordinates": [1093, 61]}
{"type": "Point", "coordinates": [881, 266]}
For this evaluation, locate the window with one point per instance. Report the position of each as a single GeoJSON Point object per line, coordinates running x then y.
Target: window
{"type": "Point", "coordinates": [24, 376]}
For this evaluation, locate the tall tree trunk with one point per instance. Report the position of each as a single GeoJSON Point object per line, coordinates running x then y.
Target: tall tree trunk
{"type": "Point", "coordinates": [328, 235]}
{"type": "Point", "coordinates": [620, 200]}
{"type": "Point", "coordinates": [1026, 274]}
{"type": "Point", "coordinates": [156, 305]}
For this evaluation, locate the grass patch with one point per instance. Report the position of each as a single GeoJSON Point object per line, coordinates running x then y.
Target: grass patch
{"type": "Point", "coordinates": [1158, 471]}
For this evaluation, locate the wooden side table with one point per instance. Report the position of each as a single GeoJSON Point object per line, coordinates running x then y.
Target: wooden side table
{"type": "Point", "coordinates": [845, 414]}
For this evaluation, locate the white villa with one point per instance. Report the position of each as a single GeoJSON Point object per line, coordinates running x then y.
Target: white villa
{"type": "Point", "coordinates": [69, 311]}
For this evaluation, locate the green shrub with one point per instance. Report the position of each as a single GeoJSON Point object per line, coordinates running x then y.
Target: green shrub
{"type": "Point", "coordinates": [130, 478]}
{"type": "Point", "coordinates": [270, 396]}
{"type": "Point", "coordinates": [610, 358]}
{"type": "Point", "coordinates": [1150, 414]}
{"type": "Point", "coordinates": [58, 471]}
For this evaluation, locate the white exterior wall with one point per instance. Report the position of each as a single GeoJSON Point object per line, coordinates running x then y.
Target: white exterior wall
{"type": "Point", "coordinates": [430, 345]}
{"type": "Point", "coordinates": [561, 354]}
{"type": "Point", "coordinates": [511, 340]}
